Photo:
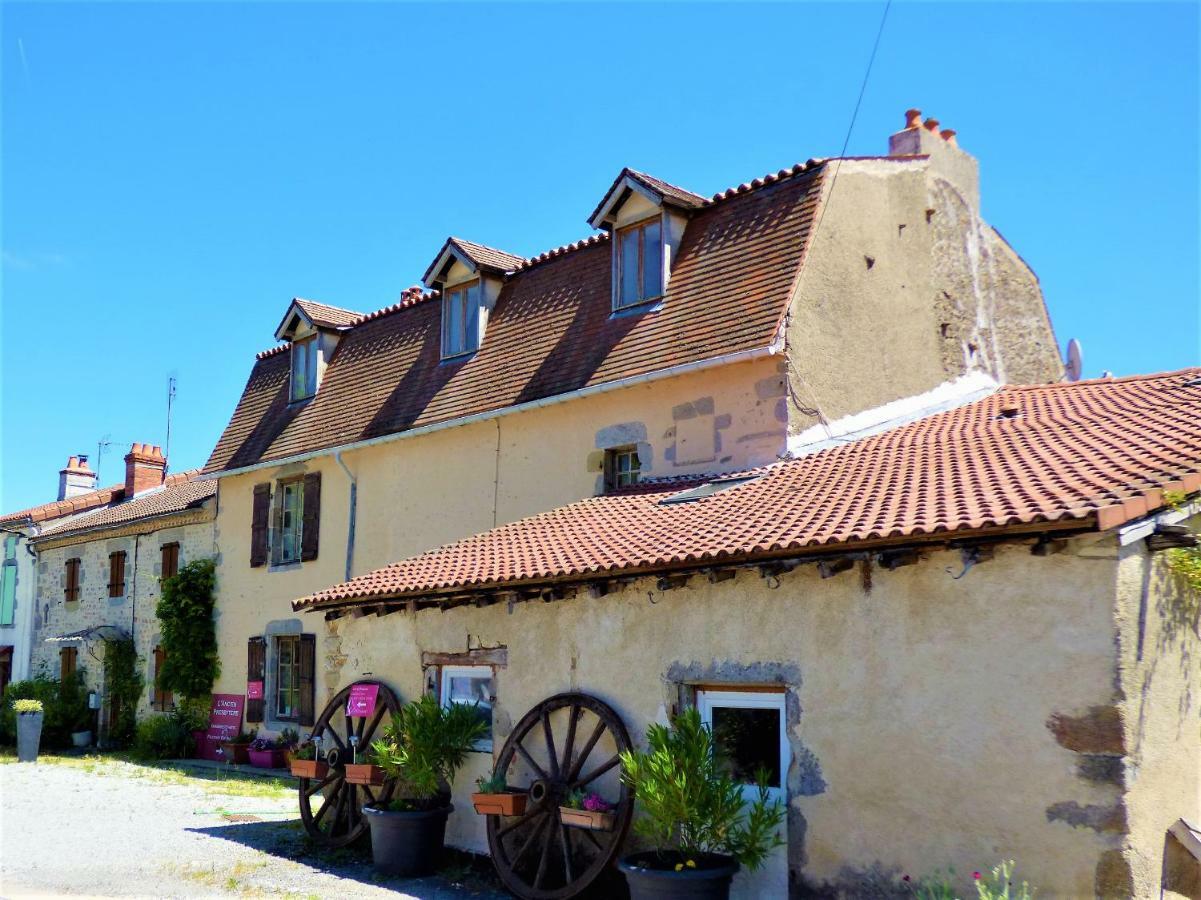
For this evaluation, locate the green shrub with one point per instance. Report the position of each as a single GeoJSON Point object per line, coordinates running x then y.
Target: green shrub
{"type": "Point", "coordinates": [124, 689]}
{"type": "Point", "coordinates": [64, 708]}
{"type": "Point", "coordinates": [163, 737]}
{"type": "Point", "coordinates": [690, 805]}
{"type": "Point", "coordinates": [189, 633]}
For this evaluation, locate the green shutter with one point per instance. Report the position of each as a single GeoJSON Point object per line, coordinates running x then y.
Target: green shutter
{"type": "Point", "coordinates": [8, 594]}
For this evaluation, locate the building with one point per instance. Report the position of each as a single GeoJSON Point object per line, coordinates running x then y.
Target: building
{"type": "Point", "coordinates": [956, 641]}
{"type": "Point", "coordinates": [99, 574]}
{"type": "Point", "coordinates": [686, 336]}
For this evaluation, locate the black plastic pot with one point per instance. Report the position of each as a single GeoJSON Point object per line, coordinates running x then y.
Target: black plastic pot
{"type": "Point", "coordinates": [407, 843]}
{"type": "Point", "coordinates": [652, 876]}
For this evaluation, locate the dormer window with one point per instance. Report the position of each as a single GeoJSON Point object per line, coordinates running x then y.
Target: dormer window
{"type": "Point", "coordinates": [639, 263]}
{"type": "Point", "coordinates": [460, 319]}
{"type": "Point", "coordinates": [304, 368]}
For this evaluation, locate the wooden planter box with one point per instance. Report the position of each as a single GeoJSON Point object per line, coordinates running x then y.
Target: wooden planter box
{"type": "Point", "coordinates": [267, 759]}
{"type": "Point", "coordinates": [361, 773]}
{"type": "Point", "coordinates": [309, 768]}
{"type": "Point", "coordinates": [583, 818]}
{"type": "Point", "coordinates": [236, 753]}
{"type": "Point", "coordinates": [506, 804]}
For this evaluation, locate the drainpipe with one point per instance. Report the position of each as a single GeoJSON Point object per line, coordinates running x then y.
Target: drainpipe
{"type": "Point", "coordinates": [354, 500]}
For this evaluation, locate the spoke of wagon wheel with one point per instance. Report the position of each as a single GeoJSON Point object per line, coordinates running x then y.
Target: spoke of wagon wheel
{"type": "Point", "coordinates": [529, 759]}
{"type": "Point", "coordinates": [315, 786]}
{"type": "Point", "coordinates": [592, 837]}
{"type": "Point", "coordinates": [597, 772]}
{"type": "Point", "coordinates": [337, 739]}
{"type": "Point", "coordinates": [551, 756]}
{"type": "Point", "coordinates": [563, 829]}
{"type": "Point", "coordinates": [358, 731]}
{"type": "Point", "coordinates": [339, 807]}
{"type": "Point", "coordinates": [529, 816]}
{"type": "Point", "coordinates": [583, 757]}
{"type": "Point", "coordinates": [369, 731]}
{"type": "Point", "coordinates": [569, 744]}
{"type": "Point", "coordinates": [367, 791]}
{"type": "Point", "coordinates": [324, 806]}
{"type": "Point", "coordinates": [550, 837]}
{"type": "Point", "coordinates": [349, 732]}
{"type": "Point", "coordinates": [529, 841]}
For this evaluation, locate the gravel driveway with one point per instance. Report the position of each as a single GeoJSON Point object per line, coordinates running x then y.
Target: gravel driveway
{"type": "Point", "coordinates": [106, 828]}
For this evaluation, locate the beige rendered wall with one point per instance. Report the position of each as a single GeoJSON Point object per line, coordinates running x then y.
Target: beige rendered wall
{"type": "Point", "coordinates": [1160, 700]}
{"type": "Point", "coordinates": [918, 708]}
{"type": "Point", "coordinates": [421, 492]}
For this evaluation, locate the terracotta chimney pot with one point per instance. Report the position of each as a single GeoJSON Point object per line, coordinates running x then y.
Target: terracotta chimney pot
{"type": "Point", "coordinates": [913, 118]}
{"type": "Point", "coordinates": [932, 126]}
{"type": "Point", "coordinates": [948, 135]}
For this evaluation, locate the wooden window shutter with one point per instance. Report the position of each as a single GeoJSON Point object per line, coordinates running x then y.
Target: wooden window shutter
{"type": "Point", "coordinates": [66, 662]}
{"type": "Point", "coordinates": [71, 589]}
{"type": "Point", "coordinates": [311, 526]}
{"type": "Point", "coordinates": [258, 524]}
{"type": "Point", "coordinates": [308, 680]}
{"type": "Point", "coordinates": [116, 574]}
{"type": "Point", "coordinates": [170, 566]}
{"type": "Point", "coordinates": [163, 698]}
{"type": "Point", "coordinates": [256, 670]}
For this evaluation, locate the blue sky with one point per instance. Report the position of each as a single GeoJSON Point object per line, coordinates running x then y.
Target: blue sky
{"type": "Point", "coordinates": [174, 173]}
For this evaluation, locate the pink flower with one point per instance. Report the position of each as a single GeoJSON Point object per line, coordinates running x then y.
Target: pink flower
{"type": "Point", "coordinates": [904, 878]}
{"type": "Point", "coordinates": [596, 803]}
{"type": "Point", "coordinates": [976, 875]}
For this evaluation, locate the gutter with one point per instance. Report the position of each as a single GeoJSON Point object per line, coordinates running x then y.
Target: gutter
{"type": "Point", "coordinates": [604, 388]}
{"type": "Point", "coordinates": [354, 502]}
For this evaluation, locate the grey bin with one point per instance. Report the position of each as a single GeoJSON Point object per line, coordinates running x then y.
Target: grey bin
{"type": "Point", "coordinates": [29, 736]}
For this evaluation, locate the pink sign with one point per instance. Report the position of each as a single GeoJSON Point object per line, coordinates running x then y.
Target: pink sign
{"type": "Point", "coordinates": [361, 702]}
{"type": "Point", "coordinates": [225, 721]}
{"type": "Point", "coordinates": [254, 690]}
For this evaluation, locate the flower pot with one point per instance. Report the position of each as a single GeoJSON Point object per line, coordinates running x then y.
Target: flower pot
{"type": "Point", "coordinates": [81, 738]}
{"type": "Point", "coordinates": [362, 773]}
{"type": "Point", "coordinates": [266, 759]}
{"type": "Point", "coordinates": [586, 818]}
{"type": "Point", "coordinates": [652, 876]}
{"type": "Point", "coordinates": [506, 804]}
{"type": "Point", "coordinates": [406, 843]}
{"type": "Point", "coordinates": [236, 753]}
{"type": "Point", "coordinates": [309, 768]}
{"type": "Point", "coordinates": [29, 736]}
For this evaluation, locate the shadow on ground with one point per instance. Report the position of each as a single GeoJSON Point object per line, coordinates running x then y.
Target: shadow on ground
{"type": "Point", "coordinates": [459, 874]}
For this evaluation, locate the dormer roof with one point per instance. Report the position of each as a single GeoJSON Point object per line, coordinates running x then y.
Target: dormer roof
{"type": "Point", "coordinates": [317, 315]}
{"type": "Point", "coordinates": [476, 257]}
{"type": "Point", "coordinates": [653, 189]}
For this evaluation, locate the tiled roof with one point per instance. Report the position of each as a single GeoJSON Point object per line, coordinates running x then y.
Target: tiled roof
{"type": "Point", "coordinates": [59, 508]}
{"type": "Point", "coordinates": [488, 257]}
{"type": "Point", "coordinates": [180, 492]}
{"type": "Point", "coordinates": [325, 316]}
{"type": "Point", "coordinates": [550, 333]}
{"type": "Point", "coordinates": [1096, 454]}
{"type": "Point", "coordinates": [680, 196]}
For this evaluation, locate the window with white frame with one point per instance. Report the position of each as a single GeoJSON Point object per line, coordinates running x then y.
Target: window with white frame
{"type": "Point", "coordinates": [639, 263]}
{"type": "Point", "coordinates": [291, 519]}
{"type": "Point", "coordinates": [750, 731]}
{"type": "Point", "coordinates": [461, 319]}
{"type": "Point", "coordinates": [304, 368]}
{"type": "Point", "coordinates": [622, 467]}
{"type": "Point", "coordinates": [472, 686]}
{"type": "Point", "coordinates": [287, 677]}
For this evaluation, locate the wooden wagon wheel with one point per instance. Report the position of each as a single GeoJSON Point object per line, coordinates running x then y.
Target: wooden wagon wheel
{"type": "Point", "coordinates": [330, 808]}
{"type": "Point", "coordinates": [568, 742]}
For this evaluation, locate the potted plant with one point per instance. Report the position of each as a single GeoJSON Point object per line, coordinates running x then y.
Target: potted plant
{"type": "Point", "coordinates": [305, 763]}
{"type": "Point", "coordinates": [81, 731]}
{"type": "Point", "coordinates": [495, 799]}
{"type": "Point", "coordinates": [423, 747]}
{"type": "Point", "coordinates": [29, 729]}
{"type": "Point", "coordinates": [266, 753]}
{"type": "Point", "coordinates": [291, 740]}
{"type": "Point", "coordinates": [591, 811]}
{"type": "Point", "coordinates": [237, 748]}
{"type": "Point", "coordinates": [356, 772]}
{"type": "Point", "coordinates": [694, 815]}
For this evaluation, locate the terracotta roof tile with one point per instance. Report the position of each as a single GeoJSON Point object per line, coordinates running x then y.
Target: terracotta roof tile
{"type": "Point", "coordinates": [59, 508]}
{"type": "Point", "coordinates": [325, 316]}
{"type": "Point", "coordinates": [551, 333]}
{"type": "Point", "coordinates": [181, 491]}
{"type": "Point", "coordinates": [488, 257]}
{"type": "Point", "coordinates": [1097, 453]}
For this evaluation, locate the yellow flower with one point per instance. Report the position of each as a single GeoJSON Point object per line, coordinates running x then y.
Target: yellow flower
{"type": "Point", "coordinates": [679, 867]}
{"type": "Point", "coordinates": [691, 864]}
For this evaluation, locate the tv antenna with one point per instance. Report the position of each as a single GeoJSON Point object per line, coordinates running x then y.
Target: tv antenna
{"type": "Point", "coordinates": [170, 404]}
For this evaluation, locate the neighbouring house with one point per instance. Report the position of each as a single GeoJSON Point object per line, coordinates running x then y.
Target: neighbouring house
{"type": "Point", "coordinates": [688, 335]}
{"type": "Point", "coordinates": [953, 642]}
{"type": "Point", "coordinates": [77, 493]}
{"type": "Point", "coordinates": [99, 575]}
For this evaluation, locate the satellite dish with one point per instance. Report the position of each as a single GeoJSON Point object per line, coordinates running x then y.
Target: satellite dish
{"type": "Point", "coordinates": [1074, 364]}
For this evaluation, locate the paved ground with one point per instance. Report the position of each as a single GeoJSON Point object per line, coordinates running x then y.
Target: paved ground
{"type": "Point", "coordinates": [104, 828]}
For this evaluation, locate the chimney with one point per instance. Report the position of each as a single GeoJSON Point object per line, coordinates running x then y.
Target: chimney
{"type": "Point", "coordinates": [948, 160]}
{"type": "Point", "coordinates": [76, 478]}
{"type": "Point", "coordinates": [145, 468]}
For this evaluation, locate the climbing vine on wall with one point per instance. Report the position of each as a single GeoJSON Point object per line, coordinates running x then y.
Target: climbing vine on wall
{"type": "Point", "coordinates": [124, 688]}
{"type": "Point", "coordinates": [189, 633]}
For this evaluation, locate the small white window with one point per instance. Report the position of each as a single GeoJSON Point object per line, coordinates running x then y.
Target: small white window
{"type": "Point", "coordinates": [749, 727]}
{"type": "Point", "coordinates": [461, 320]}
{"type": "Point", "coordinates": [473, 686]}
{"type": "Point", "coordinates": [639, 263]}
{"type": "Point", "coordinates": [304, 368]}
{"type": "Point", "coordinates": [622, 467]}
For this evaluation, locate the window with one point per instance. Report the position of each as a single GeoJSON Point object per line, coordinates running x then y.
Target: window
{"type": "Point", "coordinates": [170, 566]}
{"type": "Point", "coordinates": [287, 677]}
{"type": "Point", "coordinates": [749, 727]}
{"type": "Point", "coordinates": [291, 517]}
{"type": "Point", "coordinates": [116, 574]}
{"type": "Point", "coordinates": [622, 467]}
{"type": "Point", "coordinates": [71, 581]}
{"type": "Point", "coordinates": [304, 368]}
{"type": "Point", "coordinates": [639, 263]}
{"type": "Point", "coordinates": [162, 699]}
{"type": "Point", "coordinates": [8, 580]}
{"type": "Point", "coordinates": [461, 320]}
{"type": "Point", "coordinates": [67, 658]}
{"type": "Point", "coordinates": [471, 685]}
